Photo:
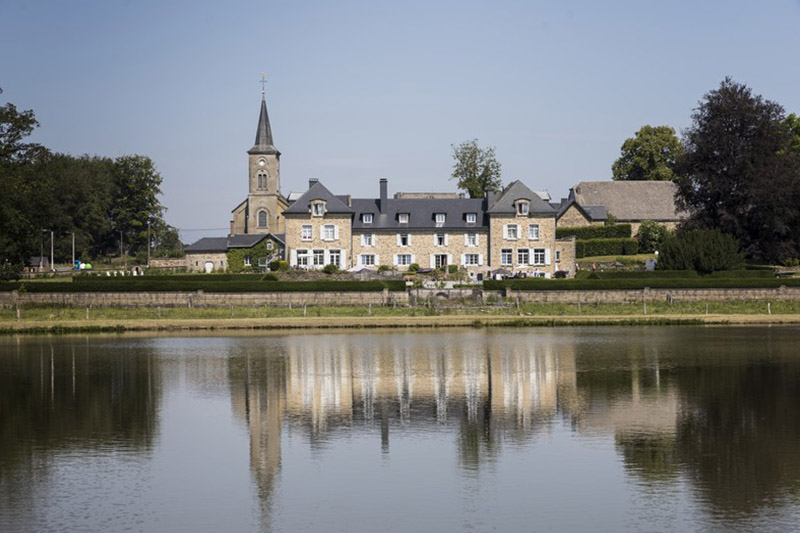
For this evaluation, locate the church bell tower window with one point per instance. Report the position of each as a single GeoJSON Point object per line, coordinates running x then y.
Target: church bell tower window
{"type": "Point", "coordinates": [262, 219]}
{"type": "Point", "coordinates": [262, 180]}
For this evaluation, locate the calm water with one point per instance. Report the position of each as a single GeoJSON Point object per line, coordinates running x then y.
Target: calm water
{"type": "Point", "coordinates": [569, 429]}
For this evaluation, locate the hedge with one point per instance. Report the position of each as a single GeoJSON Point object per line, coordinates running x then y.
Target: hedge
{"type": "Point", "coordinates": [145, 285]}
{"type": "Point", "coordinates": [707, 282]}
{"type": "Point", "coordinates": [675, 274]}
{"type": "Point", "coordinates": [594, 247]}
{"type": "Point", "coordinates": [612, 231]}
{"type": "Point", "coordinates": [168, 277]}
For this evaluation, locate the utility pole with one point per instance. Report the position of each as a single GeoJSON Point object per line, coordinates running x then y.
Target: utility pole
{"type": "Point", "coordinates": [52, 263]}
{"type": "Point", "coordinates": [120, 244]}
{"type": "Point", "coordinates": [148, 244]}
{"type": "Point", "coordinates": [73, 249]}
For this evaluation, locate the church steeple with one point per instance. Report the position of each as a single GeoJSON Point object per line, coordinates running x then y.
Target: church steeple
{"type": "Point", "coordinates": [264, 143]}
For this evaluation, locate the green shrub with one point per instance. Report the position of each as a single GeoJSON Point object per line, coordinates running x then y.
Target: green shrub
{"type": "Point", "coordinates": [413, 267]}
{"type": "Point", "coordinates": [615, 231]}
{"type": "Point", "coordinates": [452, 269]}
{"type": "Point", "coordinates": [330, 269]}
{"type": "Point", "coordinates": [10, 271]}
{"type": "Point", "coordinates": [704, 250]}
{"type": "Point", "coordinates": [651, 235]}
{"type": "Point", "coordinates": [595, 247]}
{"type": "Point", "coordinates": [146, 285]}
{"type": "Point", "coordinates": [700, 282]}
{"type": "Point", "coordinates": [384, 268]}
{"type": "Point", "coordinates": [269, 277]}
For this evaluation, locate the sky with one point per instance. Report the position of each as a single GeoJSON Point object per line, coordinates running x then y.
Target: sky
{"type": "Point", "coordinates": [359, 90]}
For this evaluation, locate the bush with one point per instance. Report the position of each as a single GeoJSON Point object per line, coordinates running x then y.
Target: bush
{"type": "Point", "coordinates": [700, 282]}
{"type": "Point", "coordinates": [704, 250]}
{"type": "Point", "coordinates": [330, 269]}
{"type": "Point", "coordinates": [651, 236]}
{"type": "Point", "coordinates": [413, 267]}
{"type": "Point", "coordinates": [147, 285]}
{"type": "Point", "coordinates": [384, 268]}
{"type": "Point", "coordinates": [452, 269]}
{"type": "Point", "coordinates": [10, 271]}
{"type": "Point", "coordinates": [615, 231]}
{"type": "Point", "coordinates": [595, 247]}
{"type": "Point", "coordinates": [269, 277]}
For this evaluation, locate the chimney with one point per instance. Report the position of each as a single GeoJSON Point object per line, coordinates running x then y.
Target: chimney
{"type": "Point", "coordinates": [384, 194]}
{"type": "Point", "coordinates": [312, 182]}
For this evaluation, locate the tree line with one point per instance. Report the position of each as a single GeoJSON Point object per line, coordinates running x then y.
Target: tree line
{"type": "Point", "coordinates": [737, 170]}
{"type": "Point", "coordinates": [107, 204]}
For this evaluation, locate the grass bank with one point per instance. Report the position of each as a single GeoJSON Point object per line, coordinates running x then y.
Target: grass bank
{"type": "Point", "coordinates": [53, 319]}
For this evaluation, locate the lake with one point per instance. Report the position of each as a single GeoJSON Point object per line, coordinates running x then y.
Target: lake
{"type": "Point", "coordinates": [543, 429]}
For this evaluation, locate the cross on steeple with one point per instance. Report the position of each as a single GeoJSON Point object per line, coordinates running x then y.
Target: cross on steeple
{"type": "Point", "coordinates": [263, 83]}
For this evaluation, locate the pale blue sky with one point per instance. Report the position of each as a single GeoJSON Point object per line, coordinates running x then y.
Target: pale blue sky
{"type": "Point", "coordinates": [370, 89]}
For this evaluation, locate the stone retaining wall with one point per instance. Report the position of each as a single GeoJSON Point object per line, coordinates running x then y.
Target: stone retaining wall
{"type": "Point", "coordinates": [202, 299]}
{"type": "Point", "coordinates": [645, 295]}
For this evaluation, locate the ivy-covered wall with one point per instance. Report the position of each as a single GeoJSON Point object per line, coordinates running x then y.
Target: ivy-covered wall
{"type": "Point", "coordinates": [236, 256]}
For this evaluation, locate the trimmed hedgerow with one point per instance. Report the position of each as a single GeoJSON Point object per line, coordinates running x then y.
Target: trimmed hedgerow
{"type": "Point", "coordinates": [611, 231]}
{"type": "Point", "coordinates": [175, 277]}
{"type": "Point", "coordinates": [706, 282]}
{"type": "Point", "coordinates": [675, 274]}
{"type": "Point", "coordinates": [595, 247]}
{"type": "Point", "coordinates": [145, 285]}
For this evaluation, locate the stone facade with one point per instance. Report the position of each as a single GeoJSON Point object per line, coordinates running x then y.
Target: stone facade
{"type": "Point", "coordinates": [533, 256]}
{"type": "Point", "coordinates": [573, 218]}
{"type": "Point", "coordinates": [296, 244]}
{"type": "Point", "coordinates": [564, 258]}
{"type": "Point", "coordinates": [423, 247]}
{"type": "Point", "coordinates": [206, 261]}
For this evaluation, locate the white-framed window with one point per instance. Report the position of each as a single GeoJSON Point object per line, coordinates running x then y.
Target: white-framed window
{"type": "Point", "coordinates": [318, 208]}
{"type": "Point", "coordinates": [523, 256]}
{"type": "Point", "coordinates": [472, 218]}
{"type": "Point", "coordinates": [511, 231]}
{"type": "Point", "coordinates": [328, 232]}
{"type": "Point", "coordinates": [335, 257]}
{"type": "Point", "coordinates": [306, 232]}
{"type": "Point", "coordinates": [302, 258]}
{"type": "Point", "coordinates": [440, 239]}
{"type": "Point", "coordinates": [262, 219]}
{"type": "Point", "coordinates": [440, 218]}
{"type": "Point", "coordinates": [403, 239]}
{"type": "Point", "coordinates": [367, 239]}
{"type": "Point", "coordinates": [472, 259]}
{"type": "Point", "coordinates": [403, 259]}
{"type": "Point", "coordinates": [366, 218]}
{"type": "Point", "coordinates": [538, 256]}
{"type": "Point", "coordinates": [533, 232]}
{"type": "Point", "coordinates": [269, 245]}
{"type": "Point", "coordinates": [248, 260]}
{"type": "Point", "coordinates": [402, 218]}
{"type": "Point", "coordinates": [319, 257]}
{"type": "Point", "coordinates": [471, 239]}
{"type": "Point", "coordinates": [368, 259]}
{"type": "Point", "coordinates": [558, 256]}
{"type": "Point", "coordinates": [522, 207]}
{"type": "Point", "coordinates": [506, 256]}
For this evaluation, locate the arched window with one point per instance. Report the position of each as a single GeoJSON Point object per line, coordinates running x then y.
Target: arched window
{"type": "Point", "coordinates": [262, 180]}
{"type": "Point", "coordinates": [262, 219]}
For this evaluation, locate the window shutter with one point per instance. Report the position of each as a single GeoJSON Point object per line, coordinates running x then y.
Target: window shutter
{"type": "Point", "coordinates": [432, 260]}
{"type": "Point", "coordinates": [466, 239]}
{"type": "Point", "coordinates": [293, 258]}
{"type": "Point", "coordinates": [398, 244]}
{"type": "Point", "coordinates": [336, 233]}
{"type": "Point", "coordinates": [519, 231]}
{"type": "Point", "coordinates": [363, 240]}
{"type": "Point", "coordinates": [480, 259]}
{"type": "Point", "coordinates": [449, 259]}
{"type": "Point", "coordinates": [547, 256]}
{"type": "Point", "coordinates": [343, 258]}
{"type": "Point", "coordinates": [477, 239]}
{"type": "Point", "coordinates": [409, 241]}
{"type": "Point", "coordinates": [446, 239]}
{"type": "Point", "coordinates": [463, 259]}
{"type": "Point", "coordinates": [505, 231]}
{"type": "Point", "coordinates": [377, 261]}
{"type": "Point", "coordinates": [394, 259]}
{"type": "Point", "coordinates": [413, 259]}
{"type": "Point", "coordinates": [434, 239]}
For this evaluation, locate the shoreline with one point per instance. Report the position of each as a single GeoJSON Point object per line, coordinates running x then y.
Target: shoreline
{"type": "Point", "coordinates": [45, 327]}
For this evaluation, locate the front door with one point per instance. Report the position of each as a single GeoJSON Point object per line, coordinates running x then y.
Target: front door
{"type": "Point", "coordinates": [440, 260]}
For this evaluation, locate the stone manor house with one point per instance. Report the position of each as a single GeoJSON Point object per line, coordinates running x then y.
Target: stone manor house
{"type": "Point", "coordinates": [513, 231]}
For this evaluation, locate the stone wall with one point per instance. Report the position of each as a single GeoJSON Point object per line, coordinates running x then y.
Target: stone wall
{"type": "Point", "coordinates": [202, 299]}
{"type": "Point", "coordinates": [167, 262]}
{"type": "Point", "coordinates": [573, 218]}
{"type": "Point", "coordinates": [196, 262]}
{"type": "Point", "coordinates": [648, 295]}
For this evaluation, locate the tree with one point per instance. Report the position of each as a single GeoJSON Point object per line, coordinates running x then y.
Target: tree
{"type": "Point", "coordinates": [136, 189]}
{"type": "Point", "coordinates": [476, 169]}
{"type": "Point", "coordinates": [651, 155]}
{"type": "Point", "coordinates": [703, 250]}
{"type": "Point", "coordinates": [651, 236]}
{"type": "Point", "coordinates": [739, 173]}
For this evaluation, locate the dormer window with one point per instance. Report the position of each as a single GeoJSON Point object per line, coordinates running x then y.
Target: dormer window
{"type": "Point", "coordinates": [402, 218]}
{"type": "Point", "coordinates": [318, 208]}
{"type": "Point", "coordinates": [522, 207]}
{"type": "Point", "coordinates": [366, 218]}
{"type": "Point", "coordinates": [440, 218]}
{"type": "Point", "coordinates": [472, 218]}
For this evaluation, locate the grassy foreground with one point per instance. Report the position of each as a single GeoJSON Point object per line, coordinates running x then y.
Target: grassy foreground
{"type": "Point", "coordinates": [53, 319]}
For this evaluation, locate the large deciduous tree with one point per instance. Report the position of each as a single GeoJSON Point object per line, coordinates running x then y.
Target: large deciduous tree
{"type": "Point", "coordinates": [740, 174]}
{"type": "Point", "coordinates": [137, 185]}
{"type": "Point", "coordinates": [652, 154]}
{"type": "Point", "coordinates": [476, 169]}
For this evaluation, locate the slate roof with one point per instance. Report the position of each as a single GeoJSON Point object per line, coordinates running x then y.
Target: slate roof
{"type": "Point", "coordinates": [504, 202]}
{"type": "Point", "coordinates": [592, 212]}
{"type": "Point", "coordinates": [333, 204]}
{"type": "Point", "coordinates": [264, 143]}
{"type": "Point", "coordinates": [630, 200]}
{"type": "Point", "coordinates": [422, 213]}
{"type": "Point", "coordinates": [223, 244]}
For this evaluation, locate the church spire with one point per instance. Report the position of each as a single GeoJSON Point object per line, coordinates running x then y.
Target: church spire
{"type": "Point", "coordinates": [264, 143]}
